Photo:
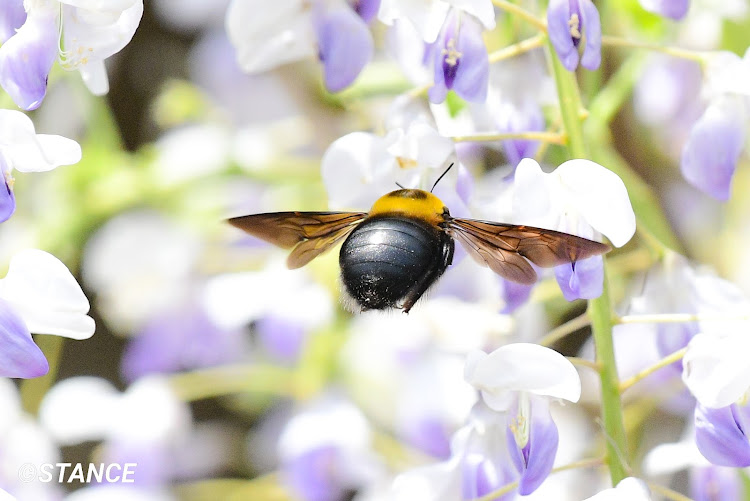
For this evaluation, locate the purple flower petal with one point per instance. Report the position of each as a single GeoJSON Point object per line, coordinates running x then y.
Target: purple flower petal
{"type": "Point", "coordinates": [568, 22]}
{"type": "Point", "coordinates": [481, 475]}
{"type": "Point", "coordinates": [528, 117]}
{"type": "Point", "coordinates": [7, 197]}
{"type": "Point", "coordinates": [367, 9]}
{"type": "Point", "coordinates": [715, 483]}
{"type": "Point", "coordinates": [464, 182]}
{"type": "Point", "coordinates": [709, 158]}
{"type": "Point", "coordinates": [154, 459]}
{"type": "Point", "coordinates": [283, 338]}
{"type": "Point", "coordinates": [535, 460]}
{"type": "Point", "coordinates": [515, 295]}
{"type": "Point", "coordinates": [19, 356]}
{"type": "Point", "coordinates": [180, 340]}
{"type": "Point", "coordinates": [12, 17]}
{"type": "Point", "coordinates": [345, 47]}
{"type": "Point", "coordinates": [312, 474]}
{"type": "Point", "coordinates": [673, 337]}
{"type": "Point", "coordinates": [719, 436]}
{"type": "Point", "coordinates": [430, 435]}
{"type": "Point", "coordinates": [558, 16]}
{"type": "Point", "coordinates": [460, 61]}
{"type": "Point", "coordinates": [582, 279]}
{"type": "Point", "coordinates": [592, 30]}
{"type": "Point", "coordinates": [27, 57]}
{"type": "Point", "coordinates": [675, 9]}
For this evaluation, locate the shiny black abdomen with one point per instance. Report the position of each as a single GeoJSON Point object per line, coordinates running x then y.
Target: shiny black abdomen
{"type": "Point", "coordinates": [390, 261]}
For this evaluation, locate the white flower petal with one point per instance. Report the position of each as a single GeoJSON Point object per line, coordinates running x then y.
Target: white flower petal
{"type": "Point", "coordinates": [665, 459]}
{"type": "Point", "coordinates": [715, 369]}
{"type": "Point", "coordinates": [435, 482]}
{"type": "Point", "coordinates": [45, 294]}
{"type": "Point", "coordinates": [629, 489]}
{"type": "Point", "coordinates": [15, 128]}
{"type": "Point", "coordinates": [357, 170]}
{"type": "Point", "coordinates": [481, 9]}
{"type": "Point", "coordinates": [101, 5]}
{"type": "Point", "coordinates": [150, 412]}
{"type": "Point", "coordinates": [28, 152]}
{"type": "Point", "coordinates": [325, 423]}
{"type": "Point", "coordinates": [427, 17]}
{"type": "Point", "coordinates": [94, 75]}
{"type": "Point", "coordinates": [95, 30]}
{"type": "Point", "coordinates": [57, 150]}
{"type": "Point", "coordinates": [533, 202]}
{"type": "Point", "coordinates": [522, 367]}
{"type": "Point", "coordinates": [600, 197]}
{"type": "Point", "coordinates": [269, 34]}
{"type": "Point", "coordinates": [79, 409]}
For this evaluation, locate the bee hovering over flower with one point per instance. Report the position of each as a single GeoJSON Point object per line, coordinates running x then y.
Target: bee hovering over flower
{"type": "Point", "coordinates": [394, 253]}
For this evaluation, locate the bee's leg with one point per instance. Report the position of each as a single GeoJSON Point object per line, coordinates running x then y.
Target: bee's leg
{"type": "Point", "coordinates": [429, 278]}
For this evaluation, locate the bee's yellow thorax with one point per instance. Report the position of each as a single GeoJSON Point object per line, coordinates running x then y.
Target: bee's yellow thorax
{"type": "Point", "coordinates": [418, 204]}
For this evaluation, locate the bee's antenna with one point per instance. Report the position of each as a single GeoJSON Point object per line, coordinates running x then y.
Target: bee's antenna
{"type": "Point", "coordinates": [399, 185]}
{"type": "Point", "coordinates": [441, 177]}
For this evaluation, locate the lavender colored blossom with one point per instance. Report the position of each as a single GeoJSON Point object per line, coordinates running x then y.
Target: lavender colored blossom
{"type": "Point", "coordinates": [19, 356]}
{"type": "Point", "coordinates": [515, 118]}
{"type": "Point", "coordinates": [720, 434]}
{"type": "Point", "coordinates": [367, 9]}
{"type": "Point", "coordinates": [27, 57]}
{"type": "Point", "coordinates": [460, 60]}
{"type": "Point", "coordinates": [709, 158]}
{"type": "Point", "coordinates": [89, 34]}
{"type": "Point", "coordinates": [312, 474]}
{"type": "Point", "coordinates": [534, 459]}
{"type": "Point", "coordinates": [12, 17]}
{"type": "Point", "coordinates": [569, 22]}
{"type": "Point", "coordinates": [582, 279]}
{"type": "Point", "coordinates": [345, 47]}
{"type": "Point", "coordinates": [675, 9]}
{"type": "Point", "coordinates": [180, 340]}
{"type": "Point", "coordinates": [430, 435]}
{"type": "Point", "coordinates": [715, 483]}
{"type": "Point", "coordinates": [482, 474]}
{"type": "Point", "coordinates": [515, 295]}
{"type": "Point", "coordinates": [282, 337]}
{"type": "Point", "coordinates": [324, 451]}
{"type": "Point", "coordinates": [7, 197]}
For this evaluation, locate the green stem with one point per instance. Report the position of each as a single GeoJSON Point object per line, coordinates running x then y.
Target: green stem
{"type": "Point", "coordinates": [600, 309]}
{"type": "Point", "coordinates": [227, 380]}
{"type": "Point", "coordinates": [570, 105]}
{"type": "Point", "coordinates": [33, 390]}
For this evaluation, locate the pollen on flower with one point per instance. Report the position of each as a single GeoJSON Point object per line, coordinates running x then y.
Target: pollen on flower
{"type": "Point", "coordinates": [406, 163]}
{"type": "Point", "coordinates": [574, 24]}
{"type": "Point", "coordinates": [9, 180]}
{"type": "Point", "coordinates": [75, 57]}
{"type": "Point", "coordinates": [452, 54]}
{"type": "Point", "coordinates": [520, 428]}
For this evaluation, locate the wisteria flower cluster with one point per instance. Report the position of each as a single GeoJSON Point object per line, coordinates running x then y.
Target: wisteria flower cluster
{"type": "Point", "coordinates": [217, 372]}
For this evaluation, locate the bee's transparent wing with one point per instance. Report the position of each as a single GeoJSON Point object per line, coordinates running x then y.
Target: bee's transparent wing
{"type": "Point", "coordinates": [309, 234]}
{"type": "Point", "coordinates": [505, 248]}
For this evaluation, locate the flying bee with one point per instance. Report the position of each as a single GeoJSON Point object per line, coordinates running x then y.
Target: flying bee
{"type": "Point", "coordinates": [394, 253]}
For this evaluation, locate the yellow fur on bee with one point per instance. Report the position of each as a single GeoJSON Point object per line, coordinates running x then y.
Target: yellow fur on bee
{"type": "Point", "coordinates": [418, 204]}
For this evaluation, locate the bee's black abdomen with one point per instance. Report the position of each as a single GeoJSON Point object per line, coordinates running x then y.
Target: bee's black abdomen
{"type": "Point", "coordinates": [390, 261]}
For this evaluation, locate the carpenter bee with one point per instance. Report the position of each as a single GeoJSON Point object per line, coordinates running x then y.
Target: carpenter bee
{"type": "Point", "coordinates": [394, 253]}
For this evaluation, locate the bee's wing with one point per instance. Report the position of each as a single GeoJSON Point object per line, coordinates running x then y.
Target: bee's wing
{"type": "Point", "coordinates": [308, 233]}
{"type": "Point", "coordinates": [503, 247]}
